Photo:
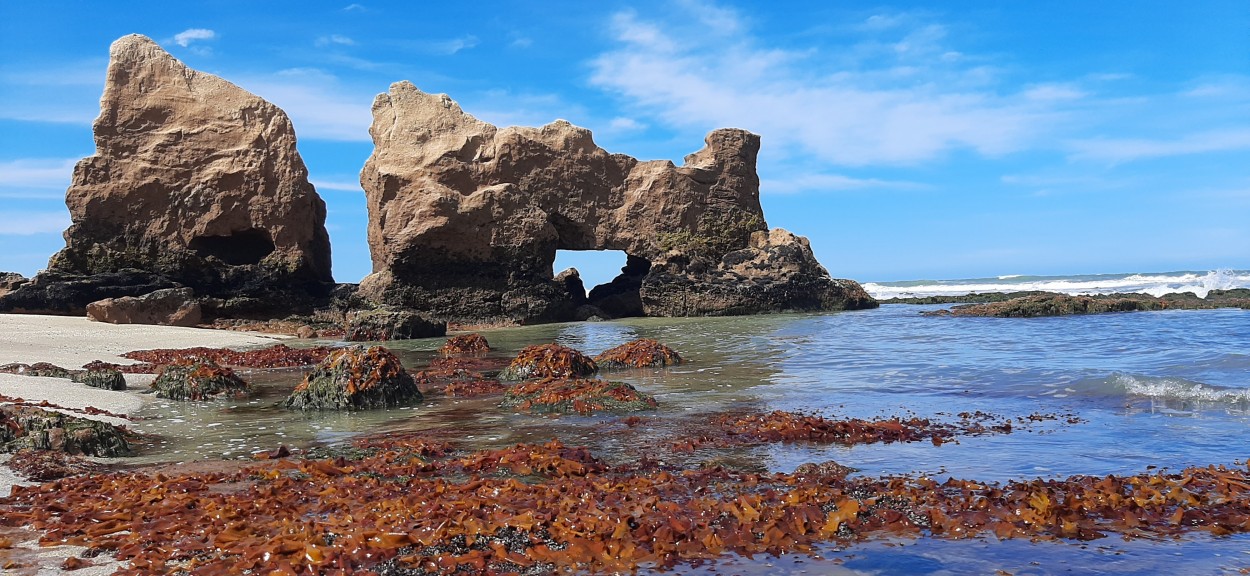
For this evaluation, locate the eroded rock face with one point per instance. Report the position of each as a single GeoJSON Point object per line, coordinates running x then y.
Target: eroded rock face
{"type": "Point", "coordinates": [194, 182]}
{"type": "Point", "coordinates": [465, 219]}
{"type": "Point", "coordinates": [169, 307]}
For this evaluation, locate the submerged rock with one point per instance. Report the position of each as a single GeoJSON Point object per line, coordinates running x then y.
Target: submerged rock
{"type": "Point", "coordinates": [584, 396]}
{"type": "Point", "coordinates": [1057, 305]}
{"type": "Point", "coordinates": [548, 361]}
{"type": "Point", "coordinates": [168, 307]}
{"type": "Point", "coordinates": [40, 429]}
{"type": "Point", "coordinates": [465, 220]}
{"type": "Point", "coordinates": [390, 323]}
{"type": "Point", "coordinates": [198, 379]}
{"type": "Point", "coordinates": [643, 353]}
{"type": "Point", "coordinates": [355, 378]}
{"type": "Point", "coordinates": [195, 182]}
{"type": "Point", "coordinates": [465, 344]}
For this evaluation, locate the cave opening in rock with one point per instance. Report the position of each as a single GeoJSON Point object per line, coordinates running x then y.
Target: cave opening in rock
{"type": "Point", "coordinates": [612, 279]}
{"type": "Point", "coordinates": [240, 248]}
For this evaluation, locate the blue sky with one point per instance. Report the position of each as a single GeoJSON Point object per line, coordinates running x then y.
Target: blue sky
{"type": "Point", "coordinates": [907, 140]}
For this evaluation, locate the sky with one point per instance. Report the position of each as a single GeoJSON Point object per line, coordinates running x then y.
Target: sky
{"type": "Point", "coordinates": [906, 140]}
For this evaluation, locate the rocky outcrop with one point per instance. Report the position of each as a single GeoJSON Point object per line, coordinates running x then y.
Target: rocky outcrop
{"type": "Point", "coordinates": [198, 379]}
{"type": "Point", "coordinates": [465, 220]}
{"type": "Point", "coordinates": [355, 378]}
{"type": "Point", "coordinates": [169, 307]}
{"type": "Point", "coordinates": [10, 281]}
{"type": "Point", "coordinates": [195, 182]}
{"type": "Point", "coordinates": [1052, 304]}
{"type": "Point", "coordinates": [387, 323]}
{"type": "Point", "coordinates": [643, 353]}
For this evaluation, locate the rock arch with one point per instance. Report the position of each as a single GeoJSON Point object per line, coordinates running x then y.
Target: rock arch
{"type": "Point", "coordinates": [465, 220]}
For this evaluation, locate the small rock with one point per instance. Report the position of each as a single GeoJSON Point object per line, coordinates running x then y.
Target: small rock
{"type": "Point", "coordinates": [355, 378]}
{"type": "Point", "coordinates": [584, 396]}
{"type": "Point", "coordinates": [548, 361]}
{"type": "Point", "coordinates": [106, 378]}
{"type": "Point", "coordinates": [391, 324]}
{"type": "Point", "coordinates": [465, 344]}
{"type": "Point", "coordinates": [642, 353]}
{"type": "Point", "coordinates": [198, 379]}
{"type": "Point", "coordinates": [169, 307]}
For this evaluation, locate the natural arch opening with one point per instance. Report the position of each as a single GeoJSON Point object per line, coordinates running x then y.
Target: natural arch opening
{"type": "Point", "coordinates": [244, 247]}
{"type": "Point", "coordinates": [612, 279]}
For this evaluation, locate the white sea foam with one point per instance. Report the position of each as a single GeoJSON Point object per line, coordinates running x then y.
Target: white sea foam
{"type": "Point", "coordinates": [1178, 389]}
{"type": "Point", "coordinates": [1156, 284]}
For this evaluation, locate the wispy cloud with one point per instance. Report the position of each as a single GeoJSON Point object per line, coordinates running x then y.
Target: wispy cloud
{"type": "Point", "coordinates": [904, 101]}
{"type": "Point", "coordinates": [37, 173]}
{"type": "Point", "coordinates": [355, 8]}
{"type": "Point", "coordinates": [625, 124]}
{"type": "Point", "coordinates": [25, 223]}
{"type": "Point", "coordinates": [814, 182]}
{"type": "Point", "coordinates": [335, 39]}
{"type": "Point", "coordinates": [337, 185]}
{"type": "Point", "coordinates": [454, 45]}
{"type": "Point", "coordinates": [1119, 150]}
{"type": "Point", "coordinates": [186, 37]}
{"type": "Point", "coordinates": [319, 106]}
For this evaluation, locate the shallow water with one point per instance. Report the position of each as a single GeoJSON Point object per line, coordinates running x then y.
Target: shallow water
{"type": "Point", "coordinates": [1168, 389]}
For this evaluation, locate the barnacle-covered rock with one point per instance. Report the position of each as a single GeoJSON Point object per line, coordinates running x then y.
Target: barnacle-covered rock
{"type": "Point", "coordinates": [198, 379]}
{"type": "Point", "coordinates": [548, 361]}
{"type": "Point", "coordinates": [32, 427]}
{"type": "Point", "coordinates": [355, 378]}
{"type": "Point", "coordinates": [643, 353]}
{"type": "Point", "coordinates": [465, 344]}
{"type": "Point", "coordinates": [584, 396]}
{"type": "Point", "coordinates": [106, 378]}
{"type": "Point", "coordinates": [391, 324]}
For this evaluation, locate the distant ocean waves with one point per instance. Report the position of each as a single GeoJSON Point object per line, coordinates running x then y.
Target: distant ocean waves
{"type": "Point", "coordinates": [1156, 284]}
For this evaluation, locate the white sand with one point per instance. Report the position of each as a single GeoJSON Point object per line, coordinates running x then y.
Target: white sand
{"type": "Point", "coordinates": [70, 342]}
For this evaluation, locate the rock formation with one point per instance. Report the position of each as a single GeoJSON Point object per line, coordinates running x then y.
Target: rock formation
{"type": "Point", "coordinates": [465, 220]}
{"type": "Point", "coordinates": [195, 182]}
{"type": "Point", "coordinates": [169, 307]}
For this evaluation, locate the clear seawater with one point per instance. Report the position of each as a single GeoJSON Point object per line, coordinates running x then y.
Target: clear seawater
{"type": "Point", "coordinates": [1168, 389]}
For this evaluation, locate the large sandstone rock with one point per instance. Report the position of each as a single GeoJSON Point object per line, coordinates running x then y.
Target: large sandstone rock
{"type": "Point", "coordinates": [195, 182]}
{"type": "Point", "coordinates": [465, 220]}
{"type": "Point", "coordinates": [169, 307]}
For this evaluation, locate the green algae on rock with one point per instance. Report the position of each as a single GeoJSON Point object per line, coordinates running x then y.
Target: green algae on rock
{"type": "Point", "coordinates": [198, 379]}
{"type": "Point", "coordinates": [548, 361]}
{"type": "Point", "coordinates": [584, 396]}
{"type": "Point", "coordinates": [641, 353]}
{"type": "Point", "coordinates": [106, 378]}
{"type": "Point", "coordinates": [355, 378]}
{"type": "Point", "coordinates": [36, 428]}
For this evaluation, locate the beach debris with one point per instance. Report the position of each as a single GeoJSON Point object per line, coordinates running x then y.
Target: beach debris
{"type": "Point", "coordinates": [552, 508]}
{"type": "Point", "coordinates": [580, 395]}
{"type": "Point", "coordinates": [465, 344]}
{"type": "Point", "coordinates": [642, 353]}
{"type": "Point", "coordinates": [39, 428]}
{"type": "Point", "coordinates": [45, 465]}
{"type": "Point", "coordinates": [197, 379]}
{"type": "Point", "coordinates": [387, 323]}
{"type": "Point", "coordinates": [355, 378]}
{"type": "Point", "coordinates": [548, 361]}
{"type": "Point", "coordinates": [276, 356]}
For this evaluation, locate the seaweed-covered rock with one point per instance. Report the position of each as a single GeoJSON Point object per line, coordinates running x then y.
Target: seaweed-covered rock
{"type": "Point", "coordinates": [548, 361]}
{"type": "Point", "coordinates": [46, 465]}
{"type": "Point", "coordinates": [388, 323]}
{"type": "Point", "coordinates": [584, 396]}
{"type": "Point", "coordinates": [198, 379]}
{"type": "Point", "coordinates": [355, 378]}
{"type": "Point", "coordinates": [641, 353]}
{"type": "Point", "coordinates": [465, 344]}
{"type": "Point", "coordinates": [38, 369]}
{"type": "Point", "coordinates": [32, 427]}
{"type": "Point", "coordinates": [106, 378]}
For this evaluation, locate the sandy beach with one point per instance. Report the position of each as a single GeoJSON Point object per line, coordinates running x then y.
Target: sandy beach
{"type": "Point", "coordinates": [70, 342]}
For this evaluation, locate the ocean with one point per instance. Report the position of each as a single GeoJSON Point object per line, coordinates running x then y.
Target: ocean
{"type": "Point", "coordinates": [1134, 392]}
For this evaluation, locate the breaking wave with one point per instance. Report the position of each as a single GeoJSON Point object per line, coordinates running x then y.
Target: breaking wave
{"type": "Point", "coordinates": [1178, 390]}
{"type": "Point", "coordinates": [1155, 284]}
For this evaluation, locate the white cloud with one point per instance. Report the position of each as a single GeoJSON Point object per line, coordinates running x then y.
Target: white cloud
{"type": "Point", "coordinates": [38, 173]}
{"type": "Point", "coordinates": [318, 106]}
{"type": "Point", "coordinates": [333, 39]}
{"type": "Point", "coordinates": [25, 223]}
{"type": "Point", "coordinates": [623, 124]}
{"type": "Point", "coordinates": [186, 37]}
{"type": "Point", "coordinates": [813, 182]}
{"type": "Point", "coordinates": [1119, 150]}
{"type": "Point", "coordinates": [903, 101]}
{"type": "Point", "coordinates": [337, 185]}
{"type": "Point", "coordinates": [455, 45]}
{"type": "Point", "coordinates": [1053, 92]}
{"type": "Point", "coordinates": [355, 8]}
